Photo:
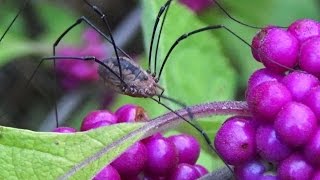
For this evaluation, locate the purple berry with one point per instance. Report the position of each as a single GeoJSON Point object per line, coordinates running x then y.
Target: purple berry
{"type": "Point", "coordinates": [316, 175]}
{"type": "Point", "coordinates": [303, 29]}
{"type": "Point", "coordinates": [312, 100]}
{"type": "Point", "coordinates": [276, 48]}
{"type": "Point", "coordinates": [162, 157]}
{"type": "Point", "coordinates": [260, 76]}
{"type": "Point", "coordinates": [310, 56]}
{"type": "Point", "coordinates": [235, 141]}
{"type": "Point", "coordinates": [202, 170]}
{"type": "Point", "coordinates": [154, 136]}
{"type": "Point", "coordinates": [184, 172]}
{"type": "Point", "coordinates": [268, 145]}
{"type": "Point", "coordinates": [295, 124]}
{"type": "Point", "coordinates": [97, 119]}
{"type": "Point", "coordinates": [268, 177]}
{"type": "Point", "coordinates": [295, 167]}
{"type": "Point", "coordinates": [64, 130]}
{"type": "Point", "coordinates": [299, 84]}
{"type": "Point", "coordinates": [197, 5]}
{"type": "Point", "coordinates": [249, 170]}
{"type": "Point", "coordinates": [266, 100]}
{"type": "Point", "coordinates": [131, 162]}
{"type": "Point", "coordinates": [256, 42]}
{"type": "Point", "coordinates": [131, 113]}
{"type": "Point", "coordinates": [108, 172]}
{"type": "Point", "coordinates": [187, 146]}
{"type": "Point", "coordinates": [312, 149]}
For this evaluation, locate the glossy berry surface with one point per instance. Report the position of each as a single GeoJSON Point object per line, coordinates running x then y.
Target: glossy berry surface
{"type": "Point", "coordinates": [184, 172]}
{"type": "Point", "coordinates": [312, 149]}
{"type": "Point", "coordinates": [269, 146]}
{"type": "Point", "coordinates": [162, 157]}
{"type": "Point", "coordinates": [132, 161]}
{"type": "Point", "coordinates": [201, 170]}
{"type": "Point", "coordinates": [267, 99]}
{"type": "Point", "coordinates": [249, 170]}
{"type": "Point", "coordinates": [303, 29]}
{"type": "Point", "coordinates": [309, 56]}
{"type": "Point", "coordinates": [197, 5]}
{"type": "Point", "coordinates": [295, 124]}
{"type": "Point", "coordinates": [187, 147]}
{"type": "Point", "coordinates": [236, 149]}
{"type": "Point", "coordinates": [299, 84]}
{"type": "Point", "coordinates": [108, 172]}
{"type": "Point", "coordinates": [131, 113]}
{"type": "Point", "coordinates": [295, 167]}
{"type": "Point", "coordinates": [277, 49]}
{"type": "Point", "coordinates": [64, 130]}
{"type": "Point", "coordinates": [312, 100]}
{"type": "Point", "coordinates": [98, 118]}
{"type": "Point", "coordinates": [261, 76]}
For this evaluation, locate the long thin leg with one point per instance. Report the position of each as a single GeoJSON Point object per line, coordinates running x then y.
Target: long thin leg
{"type": "Point", "coordinates": [158, 40]}
{"type": "Point", "coordinates": [79, 21]}
{"type": "Point", "coordinates": [186, 35]}
{"type": "Point", "coordinates": [196, 126]}
{"type": "Point", "coordinates": [103, 16]}
{"type": "Point", "coordinates": [85, 58]}
{"type": "Point", "coordinates": [14, 19]}
{"type": "Point", "coordinates": [211, 27]}
{"type": "Point", "coordinates": [162, 9]}
{"type": "Point", "coordinates": [236, 20]}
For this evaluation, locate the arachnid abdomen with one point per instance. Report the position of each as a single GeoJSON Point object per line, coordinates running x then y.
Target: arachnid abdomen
{"type": "Point", "coordinates": [137, 82]}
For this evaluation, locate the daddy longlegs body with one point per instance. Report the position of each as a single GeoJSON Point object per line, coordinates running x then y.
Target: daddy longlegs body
{"type": "Point", "coordinates": [125, 76]}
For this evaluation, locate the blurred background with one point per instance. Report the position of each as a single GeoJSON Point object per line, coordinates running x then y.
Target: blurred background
{"type": "Point", "coordinates": [214, 66]}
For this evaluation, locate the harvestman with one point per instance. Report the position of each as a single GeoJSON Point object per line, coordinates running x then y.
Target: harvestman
{"type": "Point", "coordinates": [125, 76]}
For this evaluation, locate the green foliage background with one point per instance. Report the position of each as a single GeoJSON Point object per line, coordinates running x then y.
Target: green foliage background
{"type": "Point", "coordinates": [211, 66]}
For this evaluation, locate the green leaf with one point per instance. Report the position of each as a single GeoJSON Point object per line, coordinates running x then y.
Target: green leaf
{"type": "Point", "coordinates": [36, 155]}
{"type": "Point", "coordinates": [197, 70]}
{"type": "Point", "coordinates": [16, 44]}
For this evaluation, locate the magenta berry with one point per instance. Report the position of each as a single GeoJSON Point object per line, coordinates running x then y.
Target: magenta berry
{"type": "Point", "coordinates": [316, 175]}
{"type": "Point", "coordinates": [310, 55]}
{"type": "Point", "coordinates": [236, 149]}
{"type": "Point", "coordinates": [64, 130]}
{"type": "Point", "coordinates": [299, 83]}
{"type": "Point", "coordinates": [256, 42]}
{"type": "Point", "coordinates": [131, 113]}
{"type": "Point", "coordinates": [162, 157]}
{"type": "Point", "coordinates": [154, 136]}
{"type": "Point", "coordinates": [131, 162]}
{"type": "Point", "coordinates": [202, 170]}
{"type": "Point", "coordinates": [260, 76]}
{"type": "Point", "coordinates": [249, 170]}
{"type": "Point", "coordinates": [312, 149]}
{"type": "Point", "coordinates": [98, 118]}
{"type": "Point", "coordinates": [276, 48]}
{"type": "Point", "coordinates": [187, 146]}
{"type": "Point", "coordinates": [184, 172]}
{"type": "Point", "coordinates": [312, 100]}
{"type": "Point", "coordinates": [268, 145]}
{"type": "Point", "coordinates": [268, 177]}
{"type": "Point", "coordinates": [108, 172]}
{"type": "Point", "coordinates": [197, 5]}
{"type": "Point", "coordinates": [295, 124]}
{"type": "Point", "coordinates": [295, 167]}
{"type": "Point", "coordinates": [266, 100]}
{"type": "Point", "coordinates": [303, 29]}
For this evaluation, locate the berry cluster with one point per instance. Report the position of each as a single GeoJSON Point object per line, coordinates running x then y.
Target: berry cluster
{"type": "Point", "coordinates": [282, 138]}
{"type": "Point", "coordinates": [73, 73]}
{"type": "Point", "coordinates": [155, 157]}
